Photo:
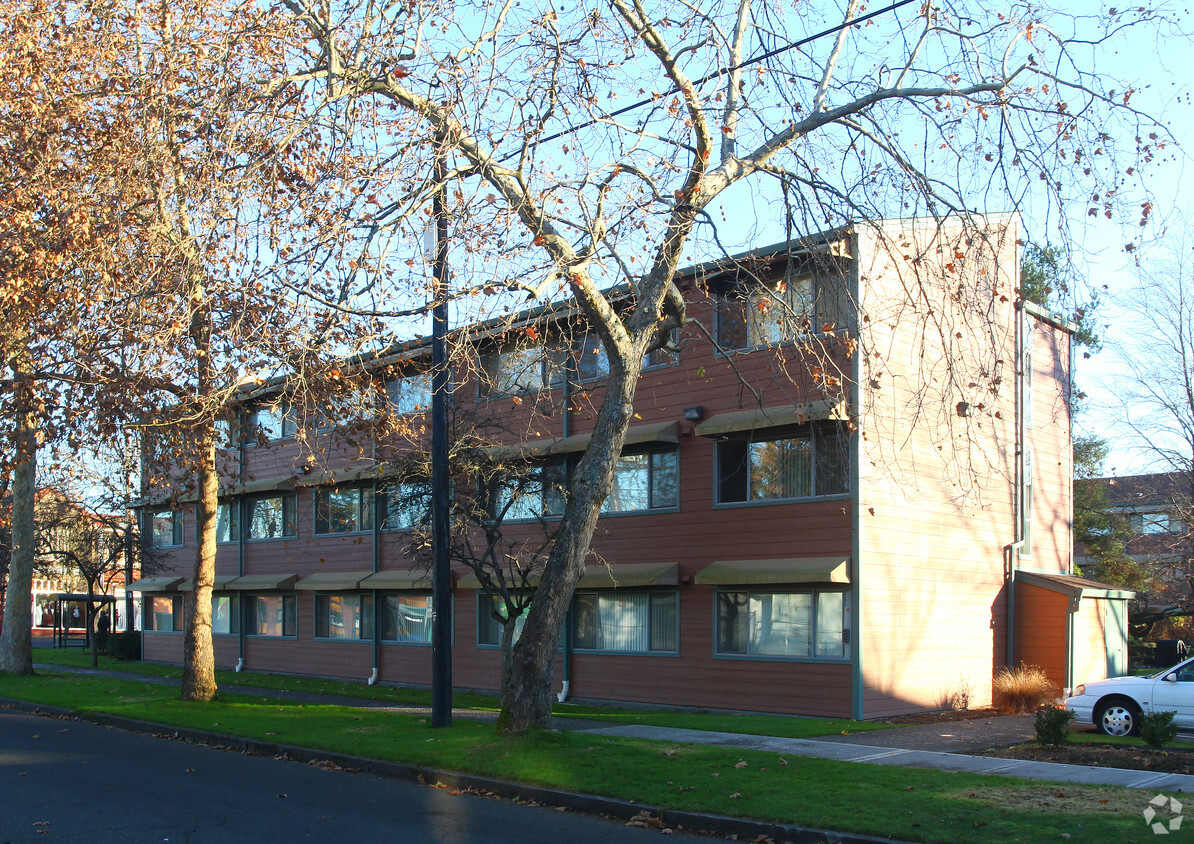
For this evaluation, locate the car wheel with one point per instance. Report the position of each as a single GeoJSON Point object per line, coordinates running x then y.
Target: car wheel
{"type": "Point", "coordinates": [1117, 717]}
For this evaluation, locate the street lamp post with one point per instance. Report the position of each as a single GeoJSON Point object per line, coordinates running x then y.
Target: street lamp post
{"type": "Point", "coordinates": [441, 583]}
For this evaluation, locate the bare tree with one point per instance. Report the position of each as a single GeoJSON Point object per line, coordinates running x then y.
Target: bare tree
{"type": "Point", "coordinates": [602, 146]}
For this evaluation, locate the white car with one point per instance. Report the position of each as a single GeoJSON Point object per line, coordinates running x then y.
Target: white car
{"type": "Point", "coordinates": [1114, 706]}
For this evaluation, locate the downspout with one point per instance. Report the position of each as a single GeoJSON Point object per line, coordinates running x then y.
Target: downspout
{"type": "Point", "coordinates": [565, 432]}
{"type": "Point", "coordinates": [240, 539]}
{"type": "Point", "coordinates": [857, 685]}
{"type": "Point", "coordinates": [377, 609]}
{"type": "Point", "coordinates": [1016, 546]}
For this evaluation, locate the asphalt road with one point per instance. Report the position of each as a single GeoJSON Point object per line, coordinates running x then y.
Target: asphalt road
{"type": "Point", "coordinates": [70, 781]}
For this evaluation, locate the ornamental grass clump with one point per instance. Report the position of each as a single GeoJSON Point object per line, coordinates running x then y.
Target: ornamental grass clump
{"type": "Point", "coordinates": [1024, 688]}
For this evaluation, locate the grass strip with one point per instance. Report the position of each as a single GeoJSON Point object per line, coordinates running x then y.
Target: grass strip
{"type": "Point", "coordinates": [905, 803]}
{"type": "Point", "coordinates": [768, 725]}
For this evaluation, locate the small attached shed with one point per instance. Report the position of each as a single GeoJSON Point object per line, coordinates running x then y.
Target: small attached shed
{"type": "Point", "coordinates": [1075, 629]}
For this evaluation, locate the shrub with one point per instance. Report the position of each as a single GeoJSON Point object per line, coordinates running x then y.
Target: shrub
{"type": "Point", "coordinates": [1023, 689]}
{"type": "Point", "coordinates": [1052, 725]}
{"type": "Point", "coordinates": [1157, 728]}
{"type": "Point", "coordinates": [126, 646]}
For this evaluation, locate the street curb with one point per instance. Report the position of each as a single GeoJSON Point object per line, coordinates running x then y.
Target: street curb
{"type": "Point", "coordinates": [697, 822]}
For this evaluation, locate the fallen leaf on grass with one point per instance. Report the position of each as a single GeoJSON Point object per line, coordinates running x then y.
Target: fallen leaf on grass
{"type": "Point", "coordinates": [735, 795]}
{"type": "Point", "coordinates": [740, 765]}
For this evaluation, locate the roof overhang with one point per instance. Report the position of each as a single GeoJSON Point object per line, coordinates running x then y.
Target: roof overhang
{"type": "Point", "coordinates": [154, 584]}
{"type": "Point", "coordinates": [630, 575]}
{"type": "Point", "coordinates": [772, 417]}
{"type": "Point", "coordinates": [262, 582]}
{"type": "Point", "coordinates": [332, 581]}
{"type": "Point", "coordinates": [1075, 587]}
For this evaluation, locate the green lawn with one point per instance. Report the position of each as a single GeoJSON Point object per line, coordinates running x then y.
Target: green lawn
{"type": "Point", "coordinates": [904, 803]}
{"type": "Point", "coordinates": [771, 725]}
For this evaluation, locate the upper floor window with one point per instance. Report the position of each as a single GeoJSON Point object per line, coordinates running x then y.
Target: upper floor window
{"type": "Point", "coordinates": [644, 481]}
{"type": "Point", "coordinates": [271, 422]}
{"type": "Point", "coordinates": [778, 306]}
{"type": "Point", "coordinates": [592, 362]}
{"type": "Point", "coordinates": [228, 522]}
{"type": "Point", "coordinates": [343, 510]}
{"type": "Point", "coordinates": [658, 358]}
{"type": "Point", "coordinates": [404, 506]}
{"type": "Point", "coordinates": [165, 528]}
{"type": "Point", "coordinates": [272, 516]}
{"type": "Point", "coordinates": [537, 494]}
{"type": "Point", "coordinates": [409, 393]}
{"type": "Point", "coordinates": [513, 369]}
{"type": "Point", "coordinates": [1154, 523]}
{"type": "Point", "coordinates": [783, 463]}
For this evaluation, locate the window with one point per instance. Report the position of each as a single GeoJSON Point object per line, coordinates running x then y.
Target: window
{"type": "Point", "coordinates": [515, 369]}
{"type": "Point", "coordinates": [270, 615]}
{"type": "Point", "coordinates": [406, 618]}
{"type": "Point", "coordinates": [662, 357]}
{"type": "Point", "coordinates": [348, 616]}
{"type": "Point", "coordinates": [783, 463]}
{"type": "Point", "coordinates": [646, 481]}
{"type": "Point", "coordinates": [165, 528]}
{"type": "Point", "coordinates": [227, 522]}
{"type": "Point", "coordinates": [537, 495]}
{"type": "Point", "coordinates": [787, 624]}
{"type": "Point", "coordinates": [592, 362]}
{"type": "Point", "coordinates": [779, 306]}
{"type": "Point", "coordinates": [272, 516]}
{"type": "Point", "coordinates": [626, 622]}
{"type": "Point", "coordinates": [1154, 523]}
{"type": "Point", "coordinates": [225, 614]}
{"type": "Point", "coordinates": [489, 629]}
{"type": "Point", "coordinates": [164, 613]}
{"type": "Point", "coordinates": [271, 422]}
{"type": "Point", "coordinates": [405, 506]}
{"type": "Point", "coordinates": [343, 510]}
{"type": "Point", "coordinates": [409, 394]}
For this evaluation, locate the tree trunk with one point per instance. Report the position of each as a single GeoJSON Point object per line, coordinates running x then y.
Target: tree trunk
{"type": "Point", "coordinates": [527, 703]}
{"type": "Point", "coordinates": [16, 639]}
{"type": "Point", "coordinates": [199, 662]}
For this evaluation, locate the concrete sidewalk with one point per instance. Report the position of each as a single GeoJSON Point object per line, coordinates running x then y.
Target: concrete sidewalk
{"type": "Point", "coordinates": [940, 746]}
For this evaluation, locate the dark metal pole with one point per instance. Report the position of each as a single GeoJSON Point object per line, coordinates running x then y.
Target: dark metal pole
{"type": "Point", "coordinates": [441, 584]}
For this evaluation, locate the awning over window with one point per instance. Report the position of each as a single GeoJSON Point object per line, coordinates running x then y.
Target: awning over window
{"type": "Point", "coordinates": [339, 476]}
{"type": "Point", "coordinates": [155, 584]}
{"type": "Point", "coordinates": [662, 432]}
{"type": "Point", "coordinates": [790, 570]}
{"type": "Point", "coordinates": [266, 485]}
{"type": "Point", "coordinates": [262, 582]}
{"type": "Point", "coordinates": [471, 581]}
{"type": "Point", "coordinates": [221, 583]}
{"type": "Point", "coordinates": [399, 579]}
{"type": "Point", "coordinates": [630, 575]}
{"type": "Point", "coordinates": [771, 417]}
{"type": "Point", "coordinates": [332, 580]}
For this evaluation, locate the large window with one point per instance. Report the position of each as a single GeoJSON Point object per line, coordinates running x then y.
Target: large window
{"type": "Point", "coordinates": [812, 624]}
{"type": "Point", "coordinates": [406, 618]}
{"type": "Point", "coordinates": [225, 614]}
{"type": "Point", "coordinates": [270, 615]}
{"type": "Point", "coordinates": [409, 393]}
{"type": "Point", "coordinates": [625, 622]}
{"type": "Point", "coordinates": [489, 628]}
{"type": "Point", "coordinates": [405, 506]}
{"type": "Point", "coordinates": [165, 528]}
{"type": "Point", "coordinates": [164, 613]}
{"type": "Point", "coordinates": [347, 616]}
{"type": "Point", "coordinates": [539, 494]}
{"type": "Point", "coordinates": [783, 463]}
{"type": "Point", "coordinates": [646, 481]}
{"type": "Point", "coordinates": [779, 305]}
{"type": "Point", "coordinates": [343, 510]}
{"type": "Point", "coordinates": [271, 422]}
{"type": "Point", "coordinates": [272, 516]}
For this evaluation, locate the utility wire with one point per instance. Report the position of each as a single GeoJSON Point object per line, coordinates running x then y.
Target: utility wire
{"type": "Point", "coordinates": [717, 74]}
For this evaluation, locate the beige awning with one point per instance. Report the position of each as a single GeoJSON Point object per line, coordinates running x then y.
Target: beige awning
{"type": "Point", "coordinates": [471, 581]}
{"type": "Point", "coordinates": [524, 450]}
{"type": "Point", "coordinates": [790, 570]}
{"type": "Point", "coordinates": [399, 579]}
{"type": "Point", "coordinates": [266, 485]}
{"type": "Point", "coordinates": [154, 584]}
{"type": "Point", "coordinates": [345, 475]}
{"type": "Point", "coordinates": [221, 583]}
{"type": "Point", "coordinates": [332, 580]}
{"type": "Point", "coordinates": [629, 575]}
{"type": "Point", "coordinates": [667, 432]}
{"type": "Point", "coordinates": [262, 582]}
{"type": "Point", "coordinates": [771, 417]}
